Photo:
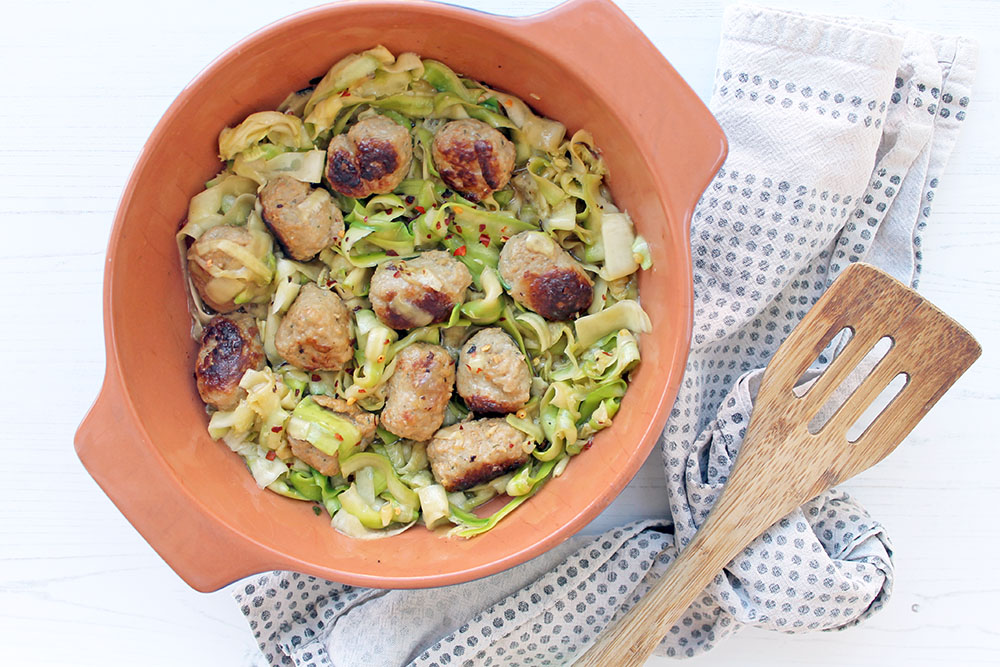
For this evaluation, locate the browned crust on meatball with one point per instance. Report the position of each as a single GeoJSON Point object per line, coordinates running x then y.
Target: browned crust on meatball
{"type": "Point", "coordinates": [390, 317]}
{"type": "Point", "coordinates": [559, 294]}
{"type": "Point", "coordinates": [492, 174]}
{"type": "Point", "coordinates": [372, 158]}
{"type": "Point", "coordinates": [420, 291]}
{"type": "Point", "coordinates": [461, 177]}
{"type": "Point", "coordinates": [473, 158]}
{"type": "Point", "coordinates": [376, 158]}
{"type": "Point", "coordinates": [487, 406]}
{"type": "Point", "coordinates": [483, 473]}
{"type": "Point", "coordinates": [436, 304]}
{"type": "Point", "coordinates": [230, 346]}
{"type": "Point", "coordinates": [544, 277]}
{"type": "Point", "coordinates": [342, 171]}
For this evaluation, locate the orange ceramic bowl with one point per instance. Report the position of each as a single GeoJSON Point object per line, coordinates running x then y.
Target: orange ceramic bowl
{"type": "Point", "coordinates": [145, 440]}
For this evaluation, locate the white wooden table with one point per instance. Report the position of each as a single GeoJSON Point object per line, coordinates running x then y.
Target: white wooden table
{"type": "Point", "coordinates": [82, 85]}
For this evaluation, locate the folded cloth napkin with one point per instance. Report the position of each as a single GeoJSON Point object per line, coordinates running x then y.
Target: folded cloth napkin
{"type": "Point", "coordinates": [839, 131]}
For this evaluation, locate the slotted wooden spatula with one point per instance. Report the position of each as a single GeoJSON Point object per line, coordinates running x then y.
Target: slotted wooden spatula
{"type": "Point", "coordinates": [781, 465]}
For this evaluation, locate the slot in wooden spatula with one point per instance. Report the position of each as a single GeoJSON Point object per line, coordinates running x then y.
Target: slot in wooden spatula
{"type": "Point", "coordinates": [781, 465]}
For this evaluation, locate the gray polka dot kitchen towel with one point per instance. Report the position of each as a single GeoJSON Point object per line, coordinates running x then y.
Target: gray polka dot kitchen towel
{"type": "Point", "coordinates": [839, 131]}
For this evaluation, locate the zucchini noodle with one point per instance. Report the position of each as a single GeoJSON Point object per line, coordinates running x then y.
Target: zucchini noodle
{"type": "Point", "coordinates": [579, 369]}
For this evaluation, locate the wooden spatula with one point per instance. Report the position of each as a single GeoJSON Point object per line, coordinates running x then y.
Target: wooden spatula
{"type": "Point", "coordinates": [781, 465]}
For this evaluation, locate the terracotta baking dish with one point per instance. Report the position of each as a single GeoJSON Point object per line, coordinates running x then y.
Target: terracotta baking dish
{"type": "Point", "coordinates": [144, 441]}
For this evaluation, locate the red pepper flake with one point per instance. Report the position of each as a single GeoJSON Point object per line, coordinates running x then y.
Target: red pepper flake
{"type": "Point", "coordinates": [588, 444]}
{"type": "Point", "coordinates": [482, 228]}
{"type": "Point", "coordinates": [362, 391]}
{"type": "Point", "coordinates": [315, 377]}
{"type": "Point", "coordinates": [485, 239]}
{"type": "Point", "coordinates": [392, 253]}
{"type": "Point", "coordinates": [276, 429]}
{"type": "Point", "coordinates": [460, 251]}
{"type": "Point", "coordinates": [270, 455]}
{"type": "Point", "coordinates": [504, 238]}
{"type": "Point", "coordinates": [397, 273]}
{"type": "Point", "coordinates": [338, 437]}
{"type": "Point", "coordinates": [419, 209]}
{"type": "Point", "coordinates": [345, 93]}
{"type": "Point", "coordinates": [387, 341]}
{"type": "Point", "coordinates": [458, 228]}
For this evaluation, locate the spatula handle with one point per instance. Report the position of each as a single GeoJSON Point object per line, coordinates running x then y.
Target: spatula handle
{"type": "Point", "coordinates": [637, 633]}
{"type": "Point", "coordinates": [737, 518]}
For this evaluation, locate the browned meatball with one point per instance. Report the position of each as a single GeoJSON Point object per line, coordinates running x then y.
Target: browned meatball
{"type": "Point", "coordinates": [372, 158]}
{"type": "Point", "coordinates": [315, 334]}
{"type": "Point", "coordinates": [304, 220]}
{"type": "Point", "coordinates": [544, 277]}
{"type": "Point", "coordinates": [220, 292]}
{"type": "Point", "coordinates": [230, 346]}
{"type": "Point", "coordinates": [416, 292]}
{"type": "Point", "coordinates": [325, 463]}
{"type": "Point", "coordinates": [493, 376]}
{"type": "Point", "coordinates": [473, 452]}
{"type": "Point", "coordinates": [419, 391]}
{"type": "Point", "coordinates": [473, 158]}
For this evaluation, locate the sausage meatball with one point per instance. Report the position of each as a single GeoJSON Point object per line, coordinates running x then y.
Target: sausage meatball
{"type": "Point", "coordinates": [419, 391]}
{"type": "Point", "coordinates": [315, 334]}
{"type": "Point", "coordinates": [220, 292]}
{"type": "Point", "coordinates": [373, 157]}
{"type": "Point", "coordinates": [420, 291]}
{"type": "Point", "coordinates": [473, 452]}
{"type": "Point", "coordinates": [473, 158]}
{"type": "Point", "coordinates": [493, 375]}
{"type": "Point", "coordinates": [544, 277]}
{"type": "Point", "coordinates": [304, 220]}
{"type": "Point", "coordinates": [325, 463]}
{"type": "Point", "coordinates": [230, 346]}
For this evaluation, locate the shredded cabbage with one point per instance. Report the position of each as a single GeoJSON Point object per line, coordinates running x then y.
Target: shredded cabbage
{"type": "Point", "coordinates": [579, 369]}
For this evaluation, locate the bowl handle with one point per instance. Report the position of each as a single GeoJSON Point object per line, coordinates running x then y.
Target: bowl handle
{"type": "Point", "coordinates": [115, 451]}
{"type": "Point", "coordinates": [634, 72]}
